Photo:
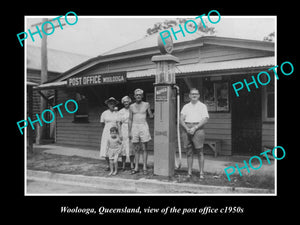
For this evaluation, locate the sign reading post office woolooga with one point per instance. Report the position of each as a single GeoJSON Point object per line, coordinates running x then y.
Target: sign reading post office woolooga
{"type": "Point", "coordinates": [96, 79]}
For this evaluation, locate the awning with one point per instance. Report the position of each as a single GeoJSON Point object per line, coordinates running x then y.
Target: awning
{"type": "Point", "coordinates": [29, 83]}
{"type": "Point", "coordinates": [51, 85]}
{"type": "Point", "coordinates": [187, 68]}
{"type": "Point", "coordinates": [213, 66]}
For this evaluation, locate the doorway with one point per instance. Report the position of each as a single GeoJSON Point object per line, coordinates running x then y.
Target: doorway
{"type": "Point", "coordinates": [246, 121]}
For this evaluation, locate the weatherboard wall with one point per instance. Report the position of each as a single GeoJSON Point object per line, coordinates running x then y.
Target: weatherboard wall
{"type": "Point", "coordinates": [218, 127]}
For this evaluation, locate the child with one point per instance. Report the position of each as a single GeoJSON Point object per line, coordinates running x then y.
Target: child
{"type": "Point", "coordinates": [113, 150]}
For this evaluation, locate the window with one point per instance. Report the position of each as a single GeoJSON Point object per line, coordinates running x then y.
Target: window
{"type": "Point", "coordinates": [209, 96]}
{"type": "Point", "coordinates": [269, 102]}
{"type": "Point", "coordinates": [81, 115]}
{"type": "Point", "coordinates": [215, 96]}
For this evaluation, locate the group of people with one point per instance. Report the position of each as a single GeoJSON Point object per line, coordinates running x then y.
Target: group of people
{"type": "Point", "coordinates": [126, 132]}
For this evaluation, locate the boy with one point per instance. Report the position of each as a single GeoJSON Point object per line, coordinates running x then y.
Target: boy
{"type": "Point", "coordinates": [113, 150]}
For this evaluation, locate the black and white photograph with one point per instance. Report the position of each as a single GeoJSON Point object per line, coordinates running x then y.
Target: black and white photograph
{"type": "Point", "coordinates": [150, 105]}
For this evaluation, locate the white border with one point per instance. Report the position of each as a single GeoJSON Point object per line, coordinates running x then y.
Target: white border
{"type": "Point", "coordinates": [67, 194]}
{"type": "Point", "coordinates": [25, 111]}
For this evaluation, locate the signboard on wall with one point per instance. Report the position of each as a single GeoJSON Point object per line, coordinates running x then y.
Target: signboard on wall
{"type": "Point", "coordinates": [96, 79]}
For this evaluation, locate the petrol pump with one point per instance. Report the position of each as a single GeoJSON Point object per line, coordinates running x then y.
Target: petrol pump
{"type": "Point", "coordinates": [165, 109]}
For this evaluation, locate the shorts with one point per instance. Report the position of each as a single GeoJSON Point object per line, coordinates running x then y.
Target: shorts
{"type": "Point", "coordinates": [113, 153]}
{"type": "Point", "coordinates": [140, 133]}
{"type": "Point", "coordinates": [195, 141]}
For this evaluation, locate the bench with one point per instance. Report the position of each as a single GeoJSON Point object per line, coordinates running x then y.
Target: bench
{"type": "Point", "coordinates": [214, 144]}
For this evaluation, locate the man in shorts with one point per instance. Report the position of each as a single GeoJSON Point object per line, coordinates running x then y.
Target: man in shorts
{"type": "Point", "coordinates": [193, 117]}
{"type": "Point", "coordinates": [138, 129]}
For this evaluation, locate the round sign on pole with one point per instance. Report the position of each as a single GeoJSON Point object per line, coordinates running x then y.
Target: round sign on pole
{"type": "Point", "coordinates": [165, 48]}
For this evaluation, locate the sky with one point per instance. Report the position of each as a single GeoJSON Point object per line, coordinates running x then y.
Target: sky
{"type": "Point", "coordinates": [92, 36]}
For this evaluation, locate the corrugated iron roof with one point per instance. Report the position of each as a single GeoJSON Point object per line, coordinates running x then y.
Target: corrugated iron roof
{"type": "Point", "coordinates": [212, 66]}
{"type": "Point", "coordinates": [151, 41]}
{"type": "Point", "coordinates": [58, 61]}
{"type": "Point", "coordinates": [148, 42]}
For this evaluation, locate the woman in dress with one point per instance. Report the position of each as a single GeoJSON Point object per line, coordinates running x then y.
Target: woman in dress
{"type": "Point", "coordinates": [123, 124]}
{"type": "Point", "coordinates": [108, 119]}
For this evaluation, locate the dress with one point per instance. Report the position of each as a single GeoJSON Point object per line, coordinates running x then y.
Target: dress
{"type": "Point", "coordinates": [123, 118]}
{"type": "Point", "coordinates": [109, 119]}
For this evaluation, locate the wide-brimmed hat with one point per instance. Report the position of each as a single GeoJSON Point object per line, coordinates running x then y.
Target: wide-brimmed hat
{"type": "Point", "coordinates": [111, 99]}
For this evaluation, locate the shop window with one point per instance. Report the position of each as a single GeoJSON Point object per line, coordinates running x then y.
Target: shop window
{"type": "Point", "coordinates": [81, 116]}
{"type": "Point", "coordinates": [269, 102]}
{"type": "Point", "coordinates": [215, 96]}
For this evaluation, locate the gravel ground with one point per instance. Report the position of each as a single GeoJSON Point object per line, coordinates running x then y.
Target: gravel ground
{"type": "Point", "coordinates": [93, 167]}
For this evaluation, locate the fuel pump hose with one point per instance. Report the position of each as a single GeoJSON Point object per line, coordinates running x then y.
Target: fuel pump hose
{"type": "Point", "coordinates": [178, 164]}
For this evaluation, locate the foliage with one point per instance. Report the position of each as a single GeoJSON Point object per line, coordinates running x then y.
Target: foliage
{"type": "Point", "coordinates": [270, 37]}
{"type": "Point", "coordinates": [166, 24]}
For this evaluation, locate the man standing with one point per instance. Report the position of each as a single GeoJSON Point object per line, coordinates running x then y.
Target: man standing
{"type": "Point", "coordinates": [193, 117]}
{"type": "Point", "coordinates": [138, 129]}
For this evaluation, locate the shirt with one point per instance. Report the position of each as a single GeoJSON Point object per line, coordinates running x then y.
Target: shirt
{"type": "Point", "coordinates": [114, 143]}
{"type": "Point", "coordinates": [194, 113]}
{"type": "Point", "coordinates": [114, 146]}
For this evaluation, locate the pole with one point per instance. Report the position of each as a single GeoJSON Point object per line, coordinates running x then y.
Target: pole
{"type": "Point", "coordinates": [40, 131]}
{"type": "Point", "coordinates": [30, 106]}
{"type": "Point", "coordinates": [44, 78]}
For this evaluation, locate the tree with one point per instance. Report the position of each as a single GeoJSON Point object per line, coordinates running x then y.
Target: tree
{"type": "Point", "coordinates": [166, 24]}
{"type": "Point", "coordinates": [270, 37]}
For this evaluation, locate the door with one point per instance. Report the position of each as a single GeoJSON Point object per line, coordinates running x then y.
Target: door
{"type": "Point", "coordinates": [246, 121]}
